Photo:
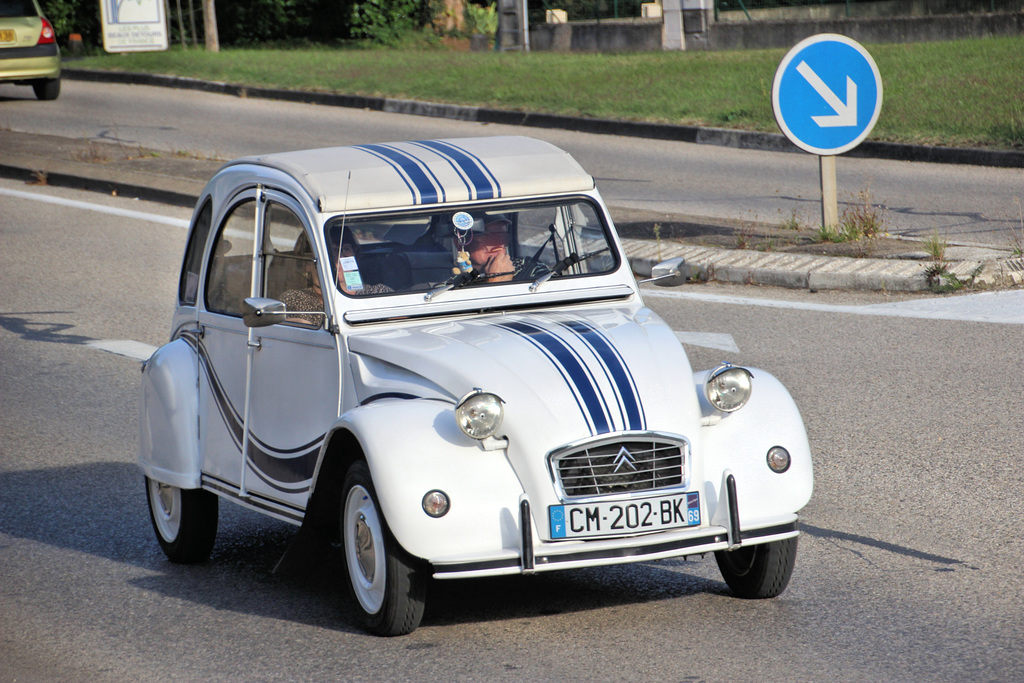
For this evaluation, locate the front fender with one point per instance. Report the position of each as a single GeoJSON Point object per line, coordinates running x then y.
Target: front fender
{"type": "Point", "coordinates": [740, 442]}
{"type": "Point", "coordinates": [168, 409]}
{"type": "Point", "coordinates": [413, 447]}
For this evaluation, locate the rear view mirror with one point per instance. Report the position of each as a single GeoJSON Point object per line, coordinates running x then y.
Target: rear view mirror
{"type": "Point", "coordinates": [669, 273]}
{"type": "Point", "coordinates": [261, 311]}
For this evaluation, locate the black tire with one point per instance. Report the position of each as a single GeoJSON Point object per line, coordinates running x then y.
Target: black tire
{"type": "Point", "coordinates": [47, 89]}
{"type": "Point", "coordinates": [185, 521]}
{"type": "Point", "coordinates": [387, 584]}
{"type": "Point", "coordinates": [758, 571]}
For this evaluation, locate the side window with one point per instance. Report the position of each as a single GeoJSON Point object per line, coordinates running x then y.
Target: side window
{"type": "Point", "coordinates": [290, 272]}
{"type": "Point", "coordinates": [188, 286]}
{"type": "Point", "coordinates": [230, 272]}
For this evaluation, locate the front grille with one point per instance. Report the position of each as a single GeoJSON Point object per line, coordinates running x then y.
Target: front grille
{"type": "Point", "coordinates": [620, 467]}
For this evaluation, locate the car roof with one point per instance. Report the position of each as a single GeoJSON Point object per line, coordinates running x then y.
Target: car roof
{"type": "Point", "coordinates": [400, 174]}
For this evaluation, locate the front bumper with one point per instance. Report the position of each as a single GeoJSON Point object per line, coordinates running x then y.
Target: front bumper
{"type": "Point", "coordinates": [19, 64]}
{"type": "Point", "coordinates": [541, 557]}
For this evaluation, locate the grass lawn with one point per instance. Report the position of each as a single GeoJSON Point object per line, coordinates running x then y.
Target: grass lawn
{"type": "Point", "coordinates": [960, 93]}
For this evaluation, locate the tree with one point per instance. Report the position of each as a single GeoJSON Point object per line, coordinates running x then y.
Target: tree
{"type": "Point", "coordinates": [210, 26]}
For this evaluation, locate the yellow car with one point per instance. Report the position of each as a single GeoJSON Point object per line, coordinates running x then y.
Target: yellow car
{"type": "Point", "coordinates": [28, 48]}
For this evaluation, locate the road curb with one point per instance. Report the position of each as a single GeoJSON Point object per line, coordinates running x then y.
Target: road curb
{"type": "Point", "coordinates": [101, 185]}
{"type": "Point", "coordinates": [721, 137]}
{"type": "Point", "coordinates": [805, 271]}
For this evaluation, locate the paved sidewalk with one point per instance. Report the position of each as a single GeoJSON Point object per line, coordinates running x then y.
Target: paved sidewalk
{"type": "Point", "coordinates": [133, 172]}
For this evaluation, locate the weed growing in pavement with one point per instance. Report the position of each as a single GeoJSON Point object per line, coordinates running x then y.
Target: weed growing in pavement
{"type": "Point", "coordinates": [941, 281]}
{"type": "Point", "coordinates": [92, 154]}
{"type": "Point", "coordinates": [862, 219]}
{"type": "Point", "coordinates": [791, 223]}
{"type": "Point", "coordinates": [657, 238]}
{"type": "Point", "coordinates": [935, 246]}
{"type": "Point", "coordinates": [829, 233]}
{"type": "Point", "coordinates": [1017, 237]}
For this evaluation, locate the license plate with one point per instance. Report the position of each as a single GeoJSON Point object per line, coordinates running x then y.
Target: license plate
{"type": "Point", "coordinates": [6, 36]}
{"type": "Point", "coordinates": [624, 518]}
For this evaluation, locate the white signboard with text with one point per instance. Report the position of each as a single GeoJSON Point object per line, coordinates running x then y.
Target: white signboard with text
{"type": "Point", "coordinates": [133, 25]}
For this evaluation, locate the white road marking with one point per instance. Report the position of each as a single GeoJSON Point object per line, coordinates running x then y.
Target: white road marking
{"type": "Point", "coordinates": [1004, 307]}
{"type": "Point", "coordinates": [124, 347]}
{"type": "Point", "coordinates": [710, 340]}
{"type": "Point", "coordinates": [89, 206]}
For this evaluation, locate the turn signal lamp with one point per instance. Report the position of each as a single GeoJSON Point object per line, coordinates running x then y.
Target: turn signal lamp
{"type": "Point", "coordinates": [46, 36]}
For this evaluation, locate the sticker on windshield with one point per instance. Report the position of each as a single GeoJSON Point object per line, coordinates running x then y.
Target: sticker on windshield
{"type": "Point", "coordinates": [350, 270]}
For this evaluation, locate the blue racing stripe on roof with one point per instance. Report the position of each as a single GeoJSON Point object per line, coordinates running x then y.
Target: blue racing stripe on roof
{"type": "Point", "coordinates": [455, 167]}
{"type": "Point", "coordinates": [484, 181]}
{"type": "Point", "coordinates": [412, 170]}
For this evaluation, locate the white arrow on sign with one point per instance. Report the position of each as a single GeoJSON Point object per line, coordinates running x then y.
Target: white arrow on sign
{"type": "Point", "coordinates": [845, 113]}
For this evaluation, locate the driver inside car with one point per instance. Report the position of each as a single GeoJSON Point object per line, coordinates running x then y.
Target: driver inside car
{"type": "Point", "coordinates": [488, 250]}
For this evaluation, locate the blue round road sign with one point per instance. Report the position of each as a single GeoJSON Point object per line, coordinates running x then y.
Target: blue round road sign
{"type": "Point", "coordinates": [827, 94]}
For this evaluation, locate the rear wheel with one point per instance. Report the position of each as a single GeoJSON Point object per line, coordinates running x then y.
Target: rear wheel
{"type": "Point", "coordinates": [758, 571]}
{"type": "Point", "coordinates": [185, 521]}
{"type": "Point", "coordinates": [47, 89]}
{"type": "Point", "coordinates": [388, 584]}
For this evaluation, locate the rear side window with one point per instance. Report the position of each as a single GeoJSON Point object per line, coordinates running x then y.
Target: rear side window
{"type": "Point", "coordinates": [230, 273]}
{"type": "Point", "coordinates": [188, 287]}
{"type": "Point", "coordinates": [17, 8]}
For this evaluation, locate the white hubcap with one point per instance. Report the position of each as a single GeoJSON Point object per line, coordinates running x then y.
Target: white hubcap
{"type": "Point", "coordinates": [165, 502]}
{"type": "Point", "coordinates": [364, 549]}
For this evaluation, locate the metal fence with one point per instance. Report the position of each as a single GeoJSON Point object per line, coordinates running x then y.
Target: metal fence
{"type": "Point", "coordinates": [744, 10]}
{"type": "Point", "coordinates": [769, 9]}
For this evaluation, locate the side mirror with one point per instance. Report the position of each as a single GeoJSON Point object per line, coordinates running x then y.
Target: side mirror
{"type": "Point", "coordinates": [261, 311]}
{"type": "Point", "coordinates": [669, 273]}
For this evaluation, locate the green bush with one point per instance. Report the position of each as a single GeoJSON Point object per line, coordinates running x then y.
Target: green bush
{"type": "Point", "coordinates": [387, 22]}
{"type": "Point", "coordinates": [481, 19]}
{"type": "Point", "coordinates": [74, 16]}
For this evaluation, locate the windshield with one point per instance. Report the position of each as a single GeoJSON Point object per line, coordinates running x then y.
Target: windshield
{"type": "Point", "coordinates": [478, 247]}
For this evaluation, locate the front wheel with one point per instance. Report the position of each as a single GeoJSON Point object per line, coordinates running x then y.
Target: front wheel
{"type": "Point", "coordinates": [758, 571]}
{"type": "Point", "coordinates": [185, 521]}
{"type": "Point", "coordinates": [387, 583]}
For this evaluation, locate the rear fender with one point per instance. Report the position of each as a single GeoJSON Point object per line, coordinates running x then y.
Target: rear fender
{"type": "Point", "coordinates": [168, 416]}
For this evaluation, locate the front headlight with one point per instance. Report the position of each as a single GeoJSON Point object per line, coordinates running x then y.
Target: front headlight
{"type": "Point", "coordinates": [728, 387]}
{"type": "Point", "coordinates": [479, 414]}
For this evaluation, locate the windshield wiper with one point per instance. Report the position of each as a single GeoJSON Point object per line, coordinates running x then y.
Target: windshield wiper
{"type": "Point", "coordinates": [460, 279]}
{"type": "Point", "coordinates": [570, 260]}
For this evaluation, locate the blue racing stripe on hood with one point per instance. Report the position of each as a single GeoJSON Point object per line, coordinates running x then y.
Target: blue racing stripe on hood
{"type": "Point", "coordinates": [559, 353]}
{"type": "Point", "coordinates": [617, 369]}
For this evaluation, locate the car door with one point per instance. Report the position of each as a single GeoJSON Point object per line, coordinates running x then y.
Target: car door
{"type": "Point", "coordinates": [268, 393]}
{"type": "Point", "coordinates": [295, 392]}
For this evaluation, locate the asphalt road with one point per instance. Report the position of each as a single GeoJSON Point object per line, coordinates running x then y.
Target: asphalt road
{"type": "Point", "coordinates": [909, 565]}
{"type": "Point", "coordinates": [974, 205]}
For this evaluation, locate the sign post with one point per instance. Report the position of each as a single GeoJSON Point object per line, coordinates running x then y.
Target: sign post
{"type": "Point", "coordinates": [133, 25]}
{"type": "Point", "coordinates": [826, 96]}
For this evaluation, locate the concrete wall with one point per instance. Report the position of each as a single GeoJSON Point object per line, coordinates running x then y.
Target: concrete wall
{"type": "Point", "coordinates": [641, 35]}
{"type": "Point", "coordinates": [889, 8]}
{"type": "Point", "coordinates": [645, 35]}
{"type": "Point", "coordinates": [758, 35]}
